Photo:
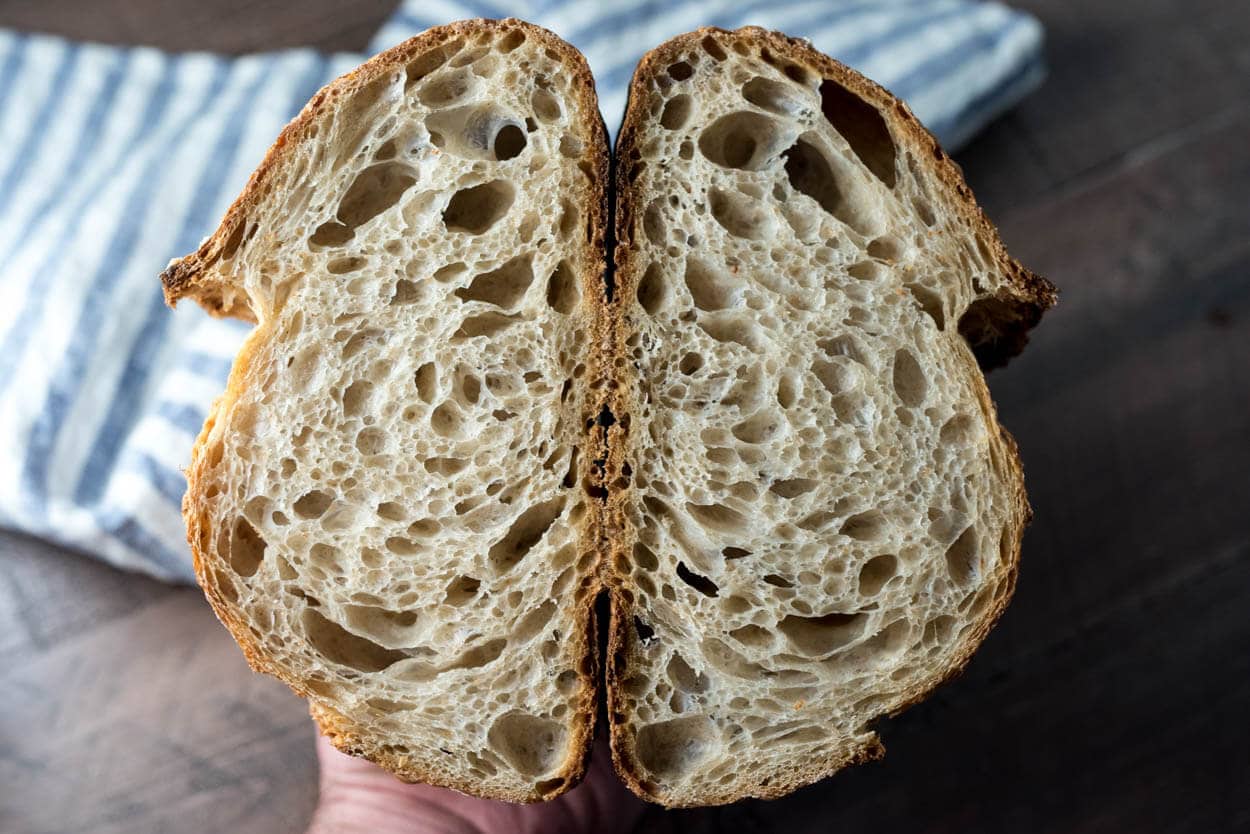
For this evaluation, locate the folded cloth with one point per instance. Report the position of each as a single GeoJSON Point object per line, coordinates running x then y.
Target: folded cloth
{"type": "Point", "coordinates": [113, 160]}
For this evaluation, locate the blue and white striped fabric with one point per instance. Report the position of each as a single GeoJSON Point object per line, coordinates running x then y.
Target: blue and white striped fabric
{"type": "Point", "coordinates": [113, 160]}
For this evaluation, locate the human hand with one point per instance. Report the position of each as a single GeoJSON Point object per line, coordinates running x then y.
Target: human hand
{"type": "Point", "coordinates": [359, 796]}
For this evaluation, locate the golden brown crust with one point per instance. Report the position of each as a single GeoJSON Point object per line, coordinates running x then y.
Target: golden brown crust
{"type": "Point", "coordinates": [1000, 334]}
{"type": "Point", "coordinates": [193, 276]}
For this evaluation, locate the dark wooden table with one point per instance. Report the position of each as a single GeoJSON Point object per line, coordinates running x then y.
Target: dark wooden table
{"type": "Point", "coordinates": [1115, 694]}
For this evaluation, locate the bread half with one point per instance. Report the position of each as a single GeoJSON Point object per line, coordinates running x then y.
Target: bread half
{"type": "Point", "coordinates": [386, 506]}
{"type": "Point", "coordinates": [814, 515]}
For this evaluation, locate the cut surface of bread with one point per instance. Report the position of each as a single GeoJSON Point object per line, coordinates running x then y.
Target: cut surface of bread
{"type": "Point", "coordinates": [816, 516]}
{"type": "Point", "coordinates": [765, 438]}
{"type": "Point", "coordinates": [386, 506]}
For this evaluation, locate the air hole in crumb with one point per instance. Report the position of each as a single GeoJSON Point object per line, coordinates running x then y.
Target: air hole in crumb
{"type": "Point", "coordinates": [960, 430]}
{"type": "Point", "coordinates": [570, 146]}
{"type": "Point", "coordinates": [569, 218]}
{"type": "Point", "coordinates": [461, 589]}
{"type": "Point", "coordinates": [391, 511]}
{"type": "Point", "coordinates": [742, 140]}
{"type": "Point", "coordinates": [866, 271]}
{"type": "Point", "coordinates": [359, 340]}
{"type": "Point", "coordinates": [533, 622]}
{"type": "Point", "coordinates": [570, 476]}
{"type": "Point", "coordinates": [476, 209]}
{"type": "Point", "coordinates": [675, 748]}
{"type": "Point", "coordinates": [450, 272]}
{"type": "Point", "coordinates": [312, 504]}
{"type": "Point", "coordinates": [446, 88]}
{"type": "Point", "coordinates": [511, 41]}
{"type": "Point", "coordinates": [356, 397]}
{"type": "Point", "coordinates": [232, 242]}
{"type": "Point", "coordinates": [809, 173]}
{"type": "Point", "coordinates": [247, 548]}
{"type": "Point", "coordinates": [817, 636]}
{"type": "Point", "coordinates": [962, 561]}
{"type": "Point", "coordinates": [676, 112]}
{"type": "Point", "coordinates": [753, 636]}
{"type": "Point", "coordinates": [793, 487]}
{"type": "Point", "coordinates": [652, 292]}
{"type": "Point", "coordinates": [653, 222]}
{"type": "Point", "coordinates": [374, 190]}
{"type": "Point", "coordinates": [470, 389]}
{"type": "Point", "coordinates": [486, 324]}
{"type": "Point", "coordinates": [526, 531]}
{"type": "Point", "coordinates": [339, 645]}
{"type": "Point", "coordinates": [711, 47]}
{"type": "Point", "coordinates": [401, 546]}
{"type": "Point", "coordinates": [444, 466]}
{"type": "Point", "coordinates": [710, 289]}
{"type": "Point", "coordinates": [758, 428]}
{"type": "Point", "coordinates": [717, 517]}
{"type": "Point", "coordinates": [683, 677]}
{"type": "Point", "coordinates": [644, 557]}
{"type": "Point", "coordinates": [645, 632]}
{"type": "Point", "coordinates": [509, 142]}
{"type": "Point", "coordinates": [546, 106]}
{"type": "Point", "coordinates": [843, 345]}
{"type": "Point", "coordinates": [740, 215]}
{"type": "Point", "coordinates": [787, 394]}
{"type": "Point", "coordinates": [777, 581]}
{"type": "Point", "coordinates": [734, 552]}
{"type": "Point", "coordinates": [930, 302]}
{"type": "Point", "coordinates": [701, 584]}
{"type": "Point", "coordinates": [995, 328]}
{"type": "Point", "coordinates": [680, 71]}
{"type": "Point", "coordinates": [773, 96]}
{"type": "Point", "coordinates": [875, 573]}
{"type": "Point", "coordinates": [371, 441]}
{"type": "Point", "coordinates": [406, 292]}
{"type": "Point", "coordinates": [690, 362]}
{"type": "Point", "coordinates": [530, 744]}
{"type": "Point", "coordinates": [427, 62]}
{"type": "Point", "coordinates": [446, 419]}
{"type": "Point", "coordinates": [389, 628]}
{"type": "Point", "coordinates": [331, 233]}
{"type": "Point", "coordinates": [837, 377]}
{"type": "Point", "coordinates": [502, 287]}
{"type": "Point", "coordinates": [910, 383]}
{"type": "Point", "coordinates": [864, 129]}
{"type": "Point", "coordinates": [426, 379]}
{"type": "Point", "coordinates": [886, 248]}
{"type": "Point", "coordinates": [886, 643]}
{"type": "Point", "coordinates": [563, 292]}
{"type": "Point", "coordinates": [924, 210]}
{"type": "Point", "coordinates": [342, 266]}
{"type": "Point", "coordinates": [865, 526]}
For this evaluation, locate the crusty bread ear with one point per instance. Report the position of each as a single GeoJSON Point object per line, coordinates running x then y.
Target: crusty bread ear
{"type": "Point", "coordinates": [386, 505]}
{"type": "Point", "coordinates": [816, 516]}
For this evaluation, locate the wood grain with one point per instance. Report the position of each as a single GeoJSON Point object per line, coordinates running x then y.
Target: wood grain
{"type": "Point", "coordinates": [128, 709]}
{"type": "Point", "coordinates": [1113, 695]}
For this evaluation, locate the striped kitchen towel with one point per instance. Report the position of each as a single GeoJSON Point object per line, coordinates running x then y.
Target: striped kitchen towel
{"type": "Point", "coordinates": [113, 160]}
